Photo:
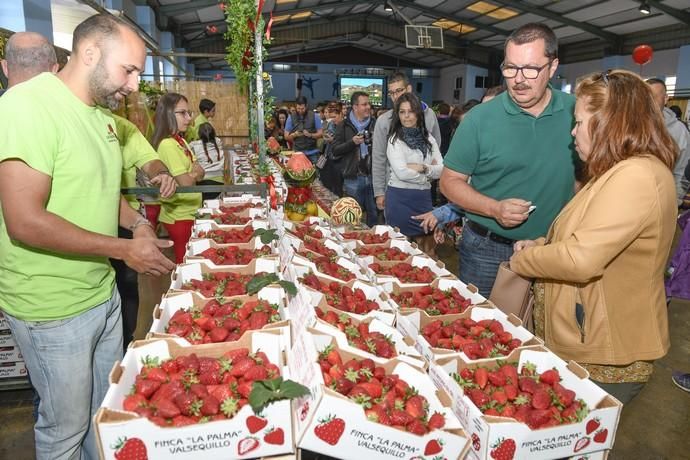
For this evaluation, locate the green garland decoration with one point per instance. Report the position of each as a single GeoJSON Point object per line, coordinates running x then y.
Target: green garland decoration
{"type": "Point", "coordinates": [240, 48]}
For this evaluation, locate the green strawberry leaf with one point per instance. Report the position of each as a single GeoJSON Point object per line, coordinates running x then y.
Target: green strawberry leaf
{"type": "Point", "coordinates": [289, 287]}
{"type": "Point", "coordinates": [260, 281]}
{"type": "Point", "coordinates": [265, 392]}
{"type": "Point", "coordinates": [266, 235]}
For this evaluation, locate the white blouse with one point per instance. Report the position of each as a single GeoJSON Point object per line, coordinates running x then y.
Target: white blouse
{"type": "Point", "coordinates": [399, 155]}
{"type": "Point", "coordinates": [214, 167]}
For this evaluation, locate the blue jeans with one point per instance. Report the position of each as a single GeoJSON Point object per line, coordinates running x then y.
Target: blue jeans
{"type": "Point", "coordinates": [480, 258]}
{"type": "Point", "coordinates": [362, 191]}
{"type": "Point", "coordinates": [69, 361]}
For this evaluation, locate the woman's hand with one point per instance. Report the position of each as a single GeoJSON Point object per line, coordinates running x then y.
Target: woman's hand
{"type": "Point", "coordinates": [416, 167]}
{"type": "Point", "coordinates": [523, 244]}
{"type": "Point", "coordinates": [428, 221]}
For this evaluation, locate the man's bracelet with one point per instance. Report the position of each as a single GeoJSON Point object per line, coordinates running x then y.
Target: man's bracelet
{"type": "Point", "coordinates": [139, 222]}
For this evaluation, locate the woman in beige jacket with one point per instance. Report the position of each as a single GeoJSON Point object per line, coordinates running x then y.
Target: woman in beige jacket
{"type": "Point", "coordinates": [604, 257]}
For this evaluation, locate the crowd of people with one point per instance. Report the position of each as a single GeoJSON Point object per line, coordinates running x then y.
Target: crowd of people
{"type": "Point", "coordinates": [579, 192]}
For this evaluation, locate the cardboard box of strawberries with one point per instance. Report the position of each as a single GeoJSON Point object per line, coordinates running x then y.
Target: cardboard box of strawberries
{"type": "Point", "coordinates": [361, 409]}
{"type": "Point", "coordinates": [530, 405]}
{"type": "Point", "coordinates": [169, 400]}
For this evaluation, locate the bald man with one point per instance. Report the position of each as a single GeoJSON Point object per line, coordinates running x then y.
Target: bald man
{"type": "Point", "coordinates": [60, 173]}
{"type": "Point", "coordinates": [27, 54]}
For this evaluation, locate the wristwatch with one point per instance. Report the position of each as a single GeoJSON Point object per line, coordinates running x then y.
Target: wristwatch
{"type": "Point", "coordinates": [139, 222]}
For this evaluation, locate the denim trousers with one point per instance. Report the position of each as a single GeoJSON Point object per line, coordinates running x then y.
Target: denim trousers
{"type": "Point", "coordinates": [479, 260]}
{"type": "Point", "coordinates": [361, 189]}
{"type": "Point", "coordinates": [69, 361]}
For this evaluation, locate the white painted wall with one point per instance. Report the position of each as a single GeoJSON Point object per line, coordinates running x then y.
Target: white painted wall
{"type": "Point", "coordinates": [446, 83]}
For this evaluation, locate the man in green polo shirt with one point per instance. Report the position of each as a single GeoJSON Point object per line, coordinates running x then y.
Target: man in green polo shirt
{"type": "Point", "coordinates": [207, 110]}
{"type": "Point", "coordinates": [60, 173]}
{"type": "Point", "coordinates": [517, 149]}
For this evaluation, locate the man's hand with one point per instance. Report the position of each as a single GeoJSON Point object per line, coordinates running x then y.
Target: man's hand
{"type": "Point", "coordinates": [511, 212]}
{"type": "Point", "coordinates": [306, 133]}
{"type": "Point", "coordinates": [381, 201]}
{"type": "Point", "coordinates": [166, 184]}
{"type": "Point", "coordinates": [428, 221]}
{"type": "Point", "coordinates": [523, 244]}
{"type": "Point", "coordinates": [144, 256]}
{"type": "Point", "coordinates": [439, 235]}
{"type": "Point", "coordinates": [358, 139]}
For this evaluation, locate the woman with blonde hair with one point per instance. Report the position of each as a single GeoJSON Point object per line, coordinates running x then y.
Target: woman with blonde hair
{"type": "Point", "coordinates": [604, 257]}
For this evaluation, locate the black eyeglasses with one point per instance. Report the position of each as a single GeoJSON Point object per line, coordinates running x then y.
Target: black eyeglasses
{"type": "Point", "coordinates": [529, 72]}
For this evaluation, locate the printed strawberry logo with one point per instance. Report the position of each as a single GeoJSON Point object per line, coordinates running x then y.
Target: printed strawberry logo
{"type": "Point", "coordinates": [255, 424]}
{"type": "Point", "coordinates": [504, 449]}
{"type": "Point", "coordinates": [275, 436]}
{"type": "Point", "coordinates": [601, 435]}
{"type": "Point", "coordinates": [581, 444]}
{"type": "Point", "coordinates": [330, 430]}
{"type": "Point", "coordinates": [247, 445]}
{"type": "Point", "coordinates": [592, 426]}
{"type": "Point", "coordinates": [130, 449]}
{"type": "Point", "coordinates": [476, 445]}
{"type": "Point", "coordinates": [304, 410]}
{"type": "Point", "coordinates": [433, 447]}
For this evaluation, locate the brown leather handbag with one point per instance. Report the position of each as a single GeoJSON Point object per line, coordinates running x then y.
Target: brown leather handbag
{"type": "Point", "coordinates": [512, 293]}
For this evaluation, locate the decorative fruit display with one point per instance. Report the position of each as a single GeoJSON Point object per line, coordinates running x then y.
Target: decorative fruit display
{"type": "Point", "coordinates": [340, 296]}
{"type": "Point", "coordinates": [367, 237]}
{"type": "Point", "coordinates": [346, 211]}
{"type": "Point", "coordinates": [358, 335]}
{"type": "Point", "coordinates": [538, 400]}
{"type": "Point", "coordinates": [234, 255]}
{"type": "Point", "coordinates": [188, 389]}
{"type": "Point", "coordinates": [273, 145]}
{"type": "Point", "coordinates": [222, 322]}
{"type": "Point", "coordinates": [242, 235]}
{"type": "Point", "coordinates": [432, 300]}
{"type": "Point", "coordinates": [382, 253]}
{"type": "Point", "coordinates": [299, 175]}
{"type": "Point", "coordinates": [405, 272]}
{"type": "Point", "coordinates": [224, 219]}
{"type": "Point", "coordinates": [385, 398]}
{"type": "Point", "coordinates": [477, 339]}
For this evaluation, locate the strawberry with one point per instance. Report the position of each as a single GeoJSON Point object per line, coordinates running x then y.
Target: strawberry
{"type": "Point", "coordinates": [247, 445]}
{"type": "Point", "coordinates": [182, 420]}
{"type": "Point", "coordinates": [592, 425]}
{"type": "Point", "coordinates": [330, 430]}
{"type": "Point", "coordinates": [210, 406]}
{"type": "Point", "coordinates": [218, 334]}
{"type": "Point", "coordinates": [257, 372]}
{"type": "Point", "coordinates": [481, 377]}
{"type": "Point", "coordinates": [130, 449]}
{"type": "Point", "coordinates": [581, 444]}
{"type": "Point", "coordinates": [433, 447]}
{"type": "Point", "coordinates": [241, 366]}
{"type": "Point", "coordinates": [415, 407]}
{"type": "Point", "coordinates": [275, 436]}
{"type": "Point", "coordinates": [416, 427]}
{"type": "Point", "coordinates": [504, 449]}
{"type": "Point", "coordinates": [541, 399]}
{"type": "Point", "coordinates": [255, 423]}
{"type": "Point", "coordinates": [166, 409]}
{"type": "Point", "coordinates": [146, 387]}
{"type": "Point", "coordinates": [601, 435]}
{"type": "Point", "coordinates": [550, 377]}
{"type": "Point", "coordinates": [133, 401]}
{"type": "Point", "coordinates": [436, 421]}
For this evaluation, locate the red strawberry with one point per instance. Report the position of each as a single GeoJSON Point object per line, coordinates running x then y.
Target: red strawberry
{"type": "Point", "coordinates": [503, 450]}
{"type": "Point", "coordinates": [330, 430]}
{"type": "Point", "coordinates": [581, 444]}
{"type": "Point", "coordinates": [436, 421]}
{"type": "Point", "coordinates": [247, 445]}
{"type": "Point", "coordinates": [218, 334]}
{"type": "Point", "coordinates": [255, 423]}
{"type": "Point", "coordinates": [166, 409]}
{"type": "Point", "coordinates": [130, 449]}
{"type": "Point", "coordinates": [601, 435]}
{"type": "Point", "coordinates": [592, 425]}
{"type": "Point", "coordinates": [481, 377]}
{"type": "Point", "coordinates": [133, 401]}
{"type": "Point", "coordinates": [550, 377]}
{"type": "Point", "coordinates": [275, 436]}
{"type": "Point", "coordinates": [415, 406]}
{"type": "Point", "coordinates": [541, 399]}
{"type": "Point", "coordinates": [433, 447]}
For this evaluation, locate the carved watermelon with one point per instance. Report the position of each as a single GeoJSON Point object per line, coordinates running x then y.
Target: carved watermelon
{"type": "Point", "coordinates": [273, 145]}
{"type": "Point", "coordinates": [346, 211]}
{"type": "Point", "coordinates": [299, 168]}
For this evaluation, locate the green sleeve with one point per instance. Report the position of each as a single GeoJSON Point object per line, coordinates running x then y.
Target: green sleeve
{"type": "Point", "coordinates": [463, 153]}
{"type": "Point", "coordinates": [173, 157]}
{"type": "Point", "coordinates": [136, 150]}
{"type": "Point", "coordinates": [19, 119]}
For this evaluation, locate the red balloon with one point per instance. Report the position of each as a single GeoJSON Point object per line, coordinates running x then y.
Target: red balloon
{"type": "Point", "coordinates": [642, 54]}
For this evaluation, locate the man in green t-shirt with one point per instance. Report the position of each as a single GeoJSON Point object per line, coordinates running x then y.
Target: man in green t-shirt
{"type": "Point", "coordinates": [60, 173]}
{"type": "Point", "coordinates": [207, 110]}
{"type": "Point", "coordinates": [517, 150]}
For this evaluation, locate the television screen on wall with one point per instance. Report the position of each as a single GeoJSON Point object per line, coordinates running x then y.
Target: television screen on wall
{"type": "Point", "coordinates": [373, 86]}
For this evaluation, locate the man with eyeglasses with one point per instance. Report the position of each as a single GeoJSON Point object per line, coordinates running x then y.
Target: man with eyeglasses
{"type": "Point", "coordinates": [517, 150]}
{"type": "Point", "coordinates": [398, 84]}
{"type": "Point", "coordinates": [351, 153]}
{"type": "Point", "coordinates": [303, 128]}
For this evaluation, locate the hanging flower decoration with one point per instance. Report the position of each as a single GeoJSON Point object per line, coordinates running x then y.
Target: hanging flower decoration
{"type": "Point", "coordinates": [243, 18]}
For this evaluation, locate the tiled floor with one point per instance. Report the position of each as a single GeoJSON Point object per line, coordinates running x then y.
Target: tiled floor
{"type": "Point", "coordinates": [655, 426]}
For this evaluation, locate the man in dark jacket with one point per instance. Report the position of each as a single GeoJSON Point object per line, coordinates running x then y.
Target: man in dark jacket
{"type": "Point", "coordinates": [303, 129]}
{"type": "Point", "coordinates": [352, 153]}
